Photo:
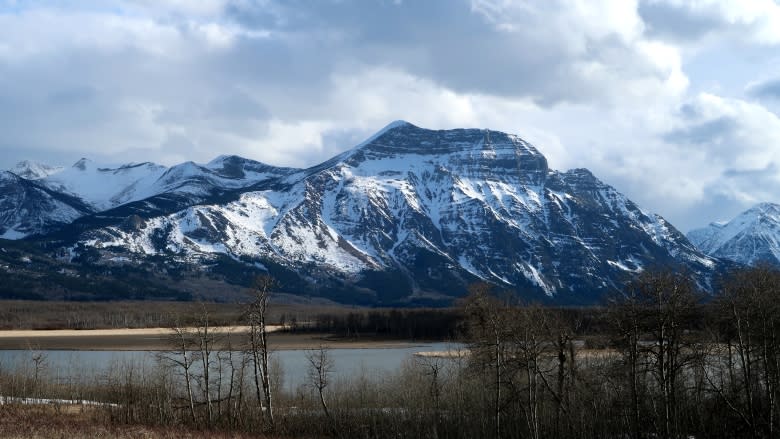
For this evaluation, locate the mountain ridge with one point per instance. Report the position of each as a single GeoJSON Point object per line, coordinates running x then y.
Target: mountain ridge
{"type": "Point", "coordinates": [408, 216]}
{"type": "Point", "coordinates": [750, 238]}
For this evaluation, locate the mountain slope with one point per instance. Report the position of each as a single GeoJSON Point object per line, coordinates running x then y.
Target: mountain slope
{"type": "Point", "coordinates": [27, 208]}
{"type": "Point", "coordinates": [144, 189]}
{"type": "Point", "coordinates": [34, 171]}
{"type": "Point", "coordinates": [751, 238]}
{"type": "Point", "coordinates": [108, 187]}
{"type": "Point", "coordinates": [413, 215]}
{"type": "Point", "coordinates": [105, 187]}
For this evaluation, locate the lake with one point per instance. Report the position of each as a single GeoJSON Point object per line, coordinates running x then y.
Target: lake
{"type": "Point", "coordinates": [92, 366]}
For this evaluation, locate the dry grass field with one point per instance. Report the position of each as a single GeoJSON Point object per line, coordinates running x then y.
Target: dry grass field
{"type": "Point", "coordinates": [75, 422]}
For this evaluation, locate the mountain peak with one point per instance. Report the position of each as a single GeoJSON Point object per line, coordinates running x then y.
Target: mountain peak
{"type": "Point", "coordinates": [31, 170]}
{"type": "Point", "coordinates": [752, 236]}
{"type": "Point", "coordinates": [473, 152]}
{"type": "Point", "coordinates": [397, 124]}
{"type": "Point", "coordinates": [232, 166]}
{"type": "Point", "coordinates": [394, 125]}
{"type": "Point", "coordinates": [403, 136]}
{"type": "Point", "coordinates": [220, 159]}
{"type": "Point", "coordinates": [226, 160]}
{"type": "Point", "coordinates": [412, 214]}
{"type": "Point", "coordinates": [82, 164]}
{"type": "Point", "coordinates": [766, 208]}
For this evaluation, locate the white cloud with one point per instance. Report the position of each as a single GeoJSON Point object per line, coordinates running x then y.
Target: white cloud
{"type": "Point", "coordinates": [41, 33]}
{"type": "Point", "coordinates": [592, 83]}
{"type": "Point", "coordinates": [754, 20]}
{"type": "Point", "coordinates": [583, 20]}
{"type": "Point", "coordinates": [600, 48]}
{"type": "Point", "coordinates": [187, 8]}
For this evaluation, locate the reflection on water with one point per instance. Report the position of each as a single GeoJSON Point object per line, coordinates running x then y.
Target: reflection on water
{"type": "Point", "coordinates": [92, 366]}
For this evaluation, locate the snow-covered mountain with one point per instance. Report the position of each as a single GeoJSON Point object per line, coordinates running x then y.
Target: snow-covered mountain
{"type": "Point", "coordinates": [27, 207]}
{"type": "Point", "coordinates": [751, 238]}
{"type": "Point", "coordinates": [409, 215]}
{"type": "Point", "coordinates": [34, 171]}
{"type": "Point", "coordinates": [104, 188]}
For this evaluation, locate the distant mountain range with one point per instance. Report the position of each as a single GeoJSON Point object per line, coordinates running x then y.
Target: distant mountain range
{"type": "Point", "coordinates": [410, 216]}
{"type": "Point", "coordinates": [753, 237]}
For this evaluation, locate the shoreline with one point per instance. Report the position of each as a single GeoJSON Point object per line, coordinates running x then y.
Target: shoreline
{"type": "Point", "coordinates": [39, 333]}
{"type": "Point", "coordinates": [157, 339]}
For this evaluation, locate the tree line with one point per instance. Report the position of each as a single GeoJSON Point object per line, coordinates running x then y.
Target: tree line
{"type": "Point", "coordinates": [658, 360]}
{"type": "Point", "coordinates": [673, 365]}
{"type": "Point", "coordinates": [412, 324]}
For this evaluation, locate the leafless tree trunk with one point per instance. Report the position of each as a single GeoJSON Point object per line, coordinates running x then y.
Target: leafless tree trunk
{"type": "Point", "coordinates": [239, 405]}
{"type": "Point", "coordinates": [751, 314]}
{"type": "Point", "coordinates": [432, 366]}
{"type": "Point", "coordinates": [182, 340]}
{"type": "Point", "coordinates": [626, 314]}
{"type": "Point", "coordinates": [232, 380]}
{"type": "Point", "coordinates": [256, 314]}
{"type": "Point", "coordinates": [39, 360]}
{"type": "Point", "coordinates": [489, 332]}
{"type": "Point", "coordinates": [320, 368]}
{"type": "Point", "coordinates": [657, 304]}
{"type": "Point", "coordinates": [497, 367]}
{"type": "Point", "coordinates": [528, 328]}
{"type": "Point", "coordinates": [205, 345]}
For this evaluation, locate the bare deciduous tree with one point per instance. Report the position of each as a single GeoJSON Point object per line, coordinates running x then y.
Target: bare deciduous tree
{"type": "Point", "coordinates": [205, 341]}
{"type": "Point", "coordinates": [650, 318]}
{"type": "Point", "coordinates": [489, 323]}
{"type": "Point", "coordinates": [39, 360]}
{"type": "Point", "coordinates": [750, 314]}
{"type": "Point", "coordinates": [181, 356]}
{"type": "Point", "coordinates": [626, 313]}
{"type": "Point", "coordinates": [256, 315]}
{"type": "Point", "coordinates": [320, 367]}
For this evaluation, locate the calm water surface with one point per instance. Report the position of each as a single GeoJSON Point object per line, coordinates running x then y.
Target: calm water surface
{"type": "Point", "coordinates": [92, 366]}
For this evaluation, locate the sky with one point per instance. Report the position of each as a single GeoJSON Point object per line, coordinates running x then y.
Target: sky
{"type": "Point", "coordinates": [676, 103]}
